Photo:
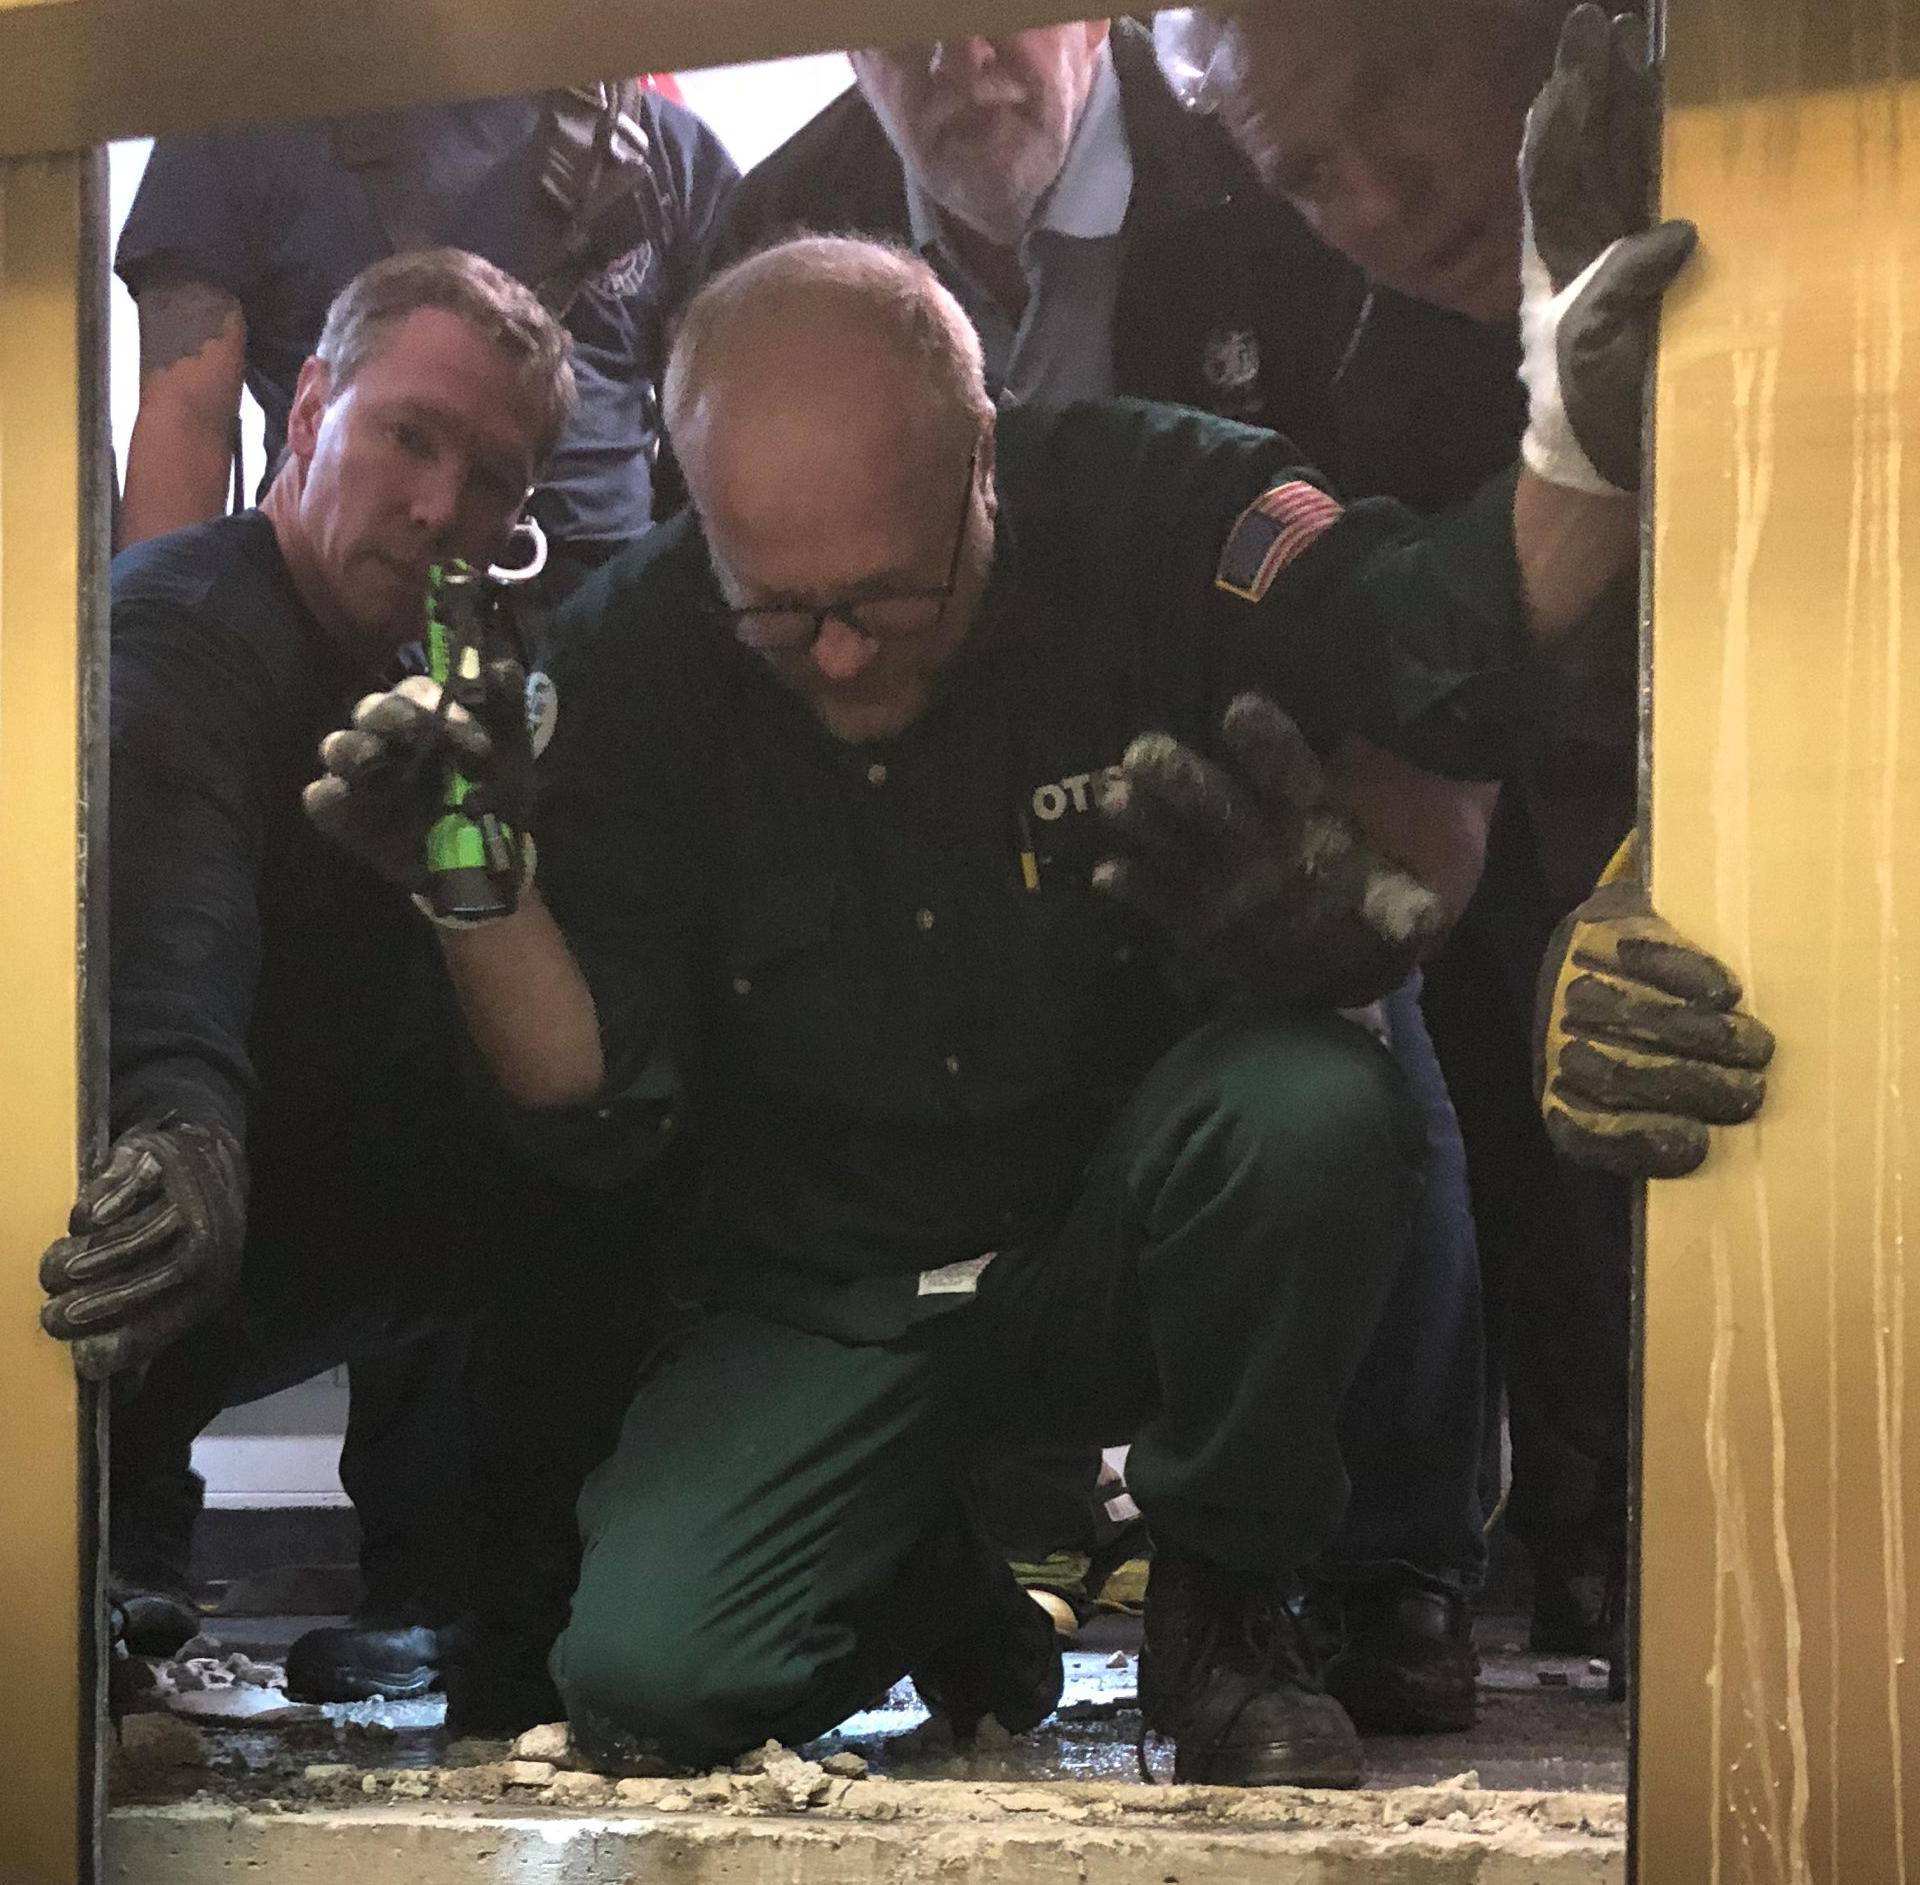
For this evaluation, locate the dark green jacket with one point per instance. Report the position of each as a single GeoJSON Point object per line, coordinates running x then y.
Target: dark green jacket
{"type": "Point", "coordinates": [898, 1056]}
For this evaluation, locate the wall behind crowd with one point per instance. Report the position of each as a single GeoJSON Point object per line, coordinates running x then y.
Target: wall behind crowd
{"type": "Point", "coordinates": [751, 108]}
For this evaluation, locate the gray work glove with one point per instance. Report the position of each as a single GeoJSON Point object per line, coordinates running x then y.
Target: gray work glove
{"type": "Point", "coordinates": [1262, 883]}
{"type": "Point", "coordinates": [1642, 1045]}
{"type": "Point", "coordinates": [386, 777]}
{"type": "Point", "coordinates": [1592, 271]}
{"type": "Point", "coordinates": [152, 1247]}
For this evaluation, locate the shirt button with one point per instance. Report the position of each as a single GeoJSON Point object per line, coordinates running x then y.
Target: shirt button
{"type": "Point", "coordinates": [923, 919]}
{"type": "Point", "coordinates": [876, 774]}
{"type": "Point", "coordinates": [741, 986]}
{"type": "Point", "coordinates": [953, 1063]}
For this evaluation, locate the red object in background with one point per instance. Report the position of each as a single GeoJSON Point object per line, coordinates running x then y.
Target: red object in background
{"type": "Point", "coordinates": [665, 84]}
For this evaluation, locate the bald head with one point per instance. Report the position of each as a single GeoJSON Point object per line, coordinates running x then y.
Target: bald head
{"type": "Point", "coordinates": [825, 399]}
{"type": "Point", "coordinates": [823, 348]}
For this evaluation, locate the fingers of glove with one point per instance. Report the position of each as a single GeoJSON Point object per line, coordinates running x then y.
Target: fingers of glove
{"type": "Point", "coordinates": [1629, 1014]}
{"type": "Point", "coordinates": [1564, 164]}
{"type": "Point", "coordinates": [99, 1255]}
{"type": "Point", "coordinates": [1610, 1077]}
{"type": "Point", "coordinates": [115, 1302]}
{"type": "Point", "coordinates": [410, 717]}
{"type": "Point", "coordinates": [1273, 755]}
{"type": "Point", "coordinates": [373, 825]}
{"type": "Point", "coordinates": [125, 1351]}
{"type": "Point", "coordinates": [1173, 805]}
{"type": "Point", "coordinates": [502, 709]}
{"type": "Point", "coordinates": [1646, 948]}
{"type": "Point", "coordinates": [1631, 102]}
{"type": "Point", "coordinates": [130, 1179]}
{"type": "Point", "coordinates": [1634, 1145]}
{"type": "Point", "coordinates": [1636, 272]}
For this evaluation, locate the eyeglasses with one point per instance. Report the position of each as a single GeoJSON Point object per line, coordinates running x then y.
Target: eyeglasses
{"type": "Point", "coordinates": [788, 629]}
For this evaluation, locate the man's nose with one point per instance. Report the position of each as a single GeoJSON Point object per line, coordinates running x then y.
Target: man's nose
{"type": "Point", "coordinates": [963, 57]}
{"type": "Point", "coordinates": [841, 652]}
{"type": "Point", "coordinates": [437, 493]}
{"type": "Point", "coordinates": [1373, 194]}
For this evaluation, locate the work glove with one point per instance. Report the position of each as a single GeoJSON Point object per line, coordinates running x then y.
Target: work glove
{"type": "Point", "coordinates": [1592, 272]}
{"type": "Point", "coordinates": [1641, 1042]}
{"type": "Point", "coordinates": [386, 778]}
{"type": "Point", "coordinates": [1263, 885]}
{"type": "Point", "coordinates": [152, 1247]}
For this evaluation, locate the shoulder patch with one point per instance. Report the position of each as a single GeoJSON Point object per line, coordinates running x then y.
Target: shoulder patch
{"type": "Point", "coordinates": [1274, 529]}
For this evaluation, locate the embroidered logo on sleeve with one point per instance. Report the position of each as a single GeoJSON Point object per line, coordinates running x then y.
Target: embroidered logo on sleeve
{"type": "Point", "coordinates": [1274, 529]}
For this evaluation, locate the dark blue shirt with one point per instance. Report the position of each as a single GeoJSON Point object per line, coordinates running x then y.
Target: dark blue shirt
{"type": "Point", "coordinates": [281, 221]}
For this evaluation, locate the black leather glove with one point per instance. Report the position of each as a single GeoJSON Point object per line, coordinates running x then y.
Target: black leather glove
{"type": "Point", "coordinates": [1592, 271]}
{"type": "Point", "coordinates": [153, 1246]}
{"type": "Point", "coordinates": [1641, 1044]}
{"type": "Point", "coordinates": [1262, 883]}
{"type": "Point", "coordinates": [386, 777]}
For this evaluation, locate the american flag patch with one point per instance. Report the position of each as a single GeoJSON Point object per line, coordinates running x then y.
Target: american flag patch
{"type": "Point", "coordinates": [1269, 534]}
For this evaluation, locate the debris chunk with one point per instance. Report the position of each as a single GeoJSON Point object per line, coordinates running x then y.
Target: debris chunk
{"type": "Point", "coordinates": [845, 1765]}
{"type": "Point", "coordinates": [156, 1744]}
{"type": "Point", "coordinates": [551, 1741]}
{"type": "Point", "coordinates": [527, 1773]}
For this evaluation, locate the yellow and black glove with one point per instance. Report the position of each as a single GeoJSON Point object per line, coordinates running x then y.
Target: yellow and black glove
{"type": "Point", "coordinates": [1642, 1044]}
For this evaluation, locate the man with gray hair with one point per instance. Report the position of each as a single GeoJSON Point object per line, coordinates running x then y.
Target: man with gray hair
{"type": "Point", "coordinates": [296, 1177]}
{"type": "Point", "coordinates": [1011, 1111]}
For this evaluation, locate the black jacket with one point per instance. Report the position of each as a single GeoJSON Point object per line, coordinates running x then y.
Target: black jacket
{"type": "Point", "coordinates": [1227, 301]}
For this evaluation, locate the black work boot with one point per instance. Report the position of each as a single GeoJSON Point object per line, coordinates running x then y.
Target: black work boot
{"type": "Point", "coordinates": [1227, 1673]}
{"type": "Point", "coordinates": [154, 1609]}
{"type": "Point", "coordinates": [1005, 1664]}
{"type": "Point", "coordinates": [1399, 1655]}
{"type": "Point", "coordinates": [399, 1654]}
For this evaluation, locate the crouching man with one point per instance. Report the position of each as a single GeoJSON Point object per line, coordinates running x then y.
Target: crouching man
{"type": "Point", "coordinates": [1014, 1114]}
{"type": "Point", "coordinates": [296, 1179]}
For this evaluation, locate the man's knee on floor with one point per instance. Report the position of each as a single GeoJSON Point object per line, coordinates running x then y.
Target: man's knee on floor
{"type": "Point", "coordinates": [664, 1691]}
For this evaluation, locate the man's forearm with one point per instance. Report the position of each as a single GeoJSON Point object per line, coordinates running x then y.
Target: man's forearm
{"type": "Point", "coordinates": [528, 1007]}
{"type": "Point", "coordinates": [1570, 548]}
{"type": "Point", "coordinates": [177, 471]}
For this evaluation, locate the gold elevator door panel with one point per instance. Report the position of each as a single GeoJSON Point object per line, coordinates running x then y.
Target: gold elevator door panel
{"type": "Point", "coordinates": [1779, 1725]}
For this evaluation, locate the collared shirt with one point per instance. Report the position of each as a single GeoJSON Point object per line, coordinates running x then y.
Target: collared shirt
{"type": "Point", "coordinates": [900, 1046]}
{"type": "Point", "coordinates": [1062, 347]}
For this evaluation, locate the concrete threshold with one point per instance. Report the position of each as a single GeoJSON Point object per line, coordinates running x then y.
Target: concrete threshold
{"type": "Point", "coordinates": [578, 1829]}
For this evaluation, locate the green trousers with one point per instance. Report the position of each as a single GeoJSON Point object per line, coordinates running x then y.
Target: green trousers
{"type": "Point", "coordinates": [780, 1534]}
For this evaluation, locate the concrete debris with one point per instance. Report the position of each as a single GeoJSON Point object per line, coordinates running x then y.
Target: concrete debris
{"type": "Point", "coordinates": [1119, 1659]}
{"type": "Point", "coordinates": [846, 1765]}
{"type": "Point", "coordinates": [551, 1741]}
{"type": "Point", "coordinates": [577, 1792]}
{"type": "Point", "coordinates": [154, 1745]}
{"type": "Point", "coordinates": [527, 1773]}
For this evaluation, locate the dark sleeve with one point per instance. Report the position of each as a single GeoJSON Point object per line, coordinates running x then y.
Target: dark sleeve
{"type": "Point", "coordinates": [703, 178]}
{"type": "Point", "coordinates": [622, 864]}
{"type": "Point", "coordinates": [187, 825]}
{"type": "Point", "coordinates": [1372, 620]}
{"type": "Point", "coordinates": [194, 214]}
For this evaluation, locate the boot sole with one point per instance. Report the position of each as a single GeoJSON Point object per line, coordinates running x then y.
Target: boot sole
{"type": "Point", "coordinates": [1272, 1765]}
{"type": "Point", "coordinates": [356, 1685]}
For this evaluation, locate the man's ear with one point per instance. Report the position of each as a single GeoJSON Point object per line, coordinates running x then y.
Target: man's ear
{"type": "Point", "coordinates": [983, 469]}
{"type": "Point", "coordinates": [311, 392]}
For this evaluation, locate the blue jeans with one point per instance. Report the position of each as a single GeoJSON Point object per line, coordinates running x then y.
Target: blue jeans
{"type": "Point", "coordinates": [1410, 1431]}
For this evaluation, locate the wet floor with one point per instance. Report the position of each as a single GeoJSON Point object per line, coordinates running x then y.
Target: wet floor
{"type": "Point", "coordinates": [1545, 1724]}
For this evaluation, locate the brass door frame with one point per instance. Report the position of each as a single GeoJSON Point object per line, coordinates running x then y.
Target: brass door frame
{"type": "Point", "coordinates": [54, 507]}
{"type": "Point", "coordinates": [1778, 1505]}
